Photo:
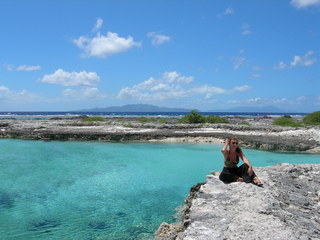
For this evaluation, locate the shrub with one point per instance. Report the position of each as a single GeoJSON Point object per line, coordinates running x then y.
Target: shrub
{"type": "Point", "coordinates": [93, 119]}
{"type": "Point", "coordinates": [286, 122]}
{"type": "Point", "coordinates": [145, 120]}
{"type": "Point", "coordinates": [312, 118]}
{"type": "Point", "coordinates": [163, 121]}
{"type": "Point", "coordinates": [193, 117]}
{"type": "Point", "coordinates": [216, 119]}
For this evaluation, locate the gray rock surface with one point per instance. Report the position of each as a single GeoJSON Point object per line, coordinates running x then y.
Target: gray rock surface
{"type": "Point", "coordinates": [287, 207]}
{"type": "Point", "coordinates": [259, 134]}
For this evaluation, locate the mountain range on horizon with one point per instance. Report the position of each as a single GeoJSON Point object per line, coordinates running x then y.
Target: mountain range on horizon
{"type": "Point", "coordinates": [154, 108]}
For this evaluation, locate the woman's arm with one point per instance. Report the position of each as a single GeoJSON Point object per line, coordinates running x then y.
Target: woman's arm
{"type": "Point", "coordinates": [246, 161]}
{"type": "Point", "coordinates": [224, 149]}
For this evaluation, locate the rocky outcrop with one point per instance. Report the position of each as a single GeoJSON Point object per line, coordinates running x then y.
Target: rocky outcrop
{"type": "Point", "coordinates": [259, 134]}
{"type": "Point", "coordinates": [286, 207]}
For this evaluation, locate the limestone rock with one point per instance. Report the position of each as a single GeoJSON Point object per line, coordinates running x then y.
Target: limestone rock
{"type": "Point", "coordinates": [286, 207]}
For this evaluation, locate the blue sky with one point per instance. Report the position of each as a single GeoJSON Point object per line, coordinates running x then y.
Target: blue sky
{"type": "Point", "coordinates": [199, 54]}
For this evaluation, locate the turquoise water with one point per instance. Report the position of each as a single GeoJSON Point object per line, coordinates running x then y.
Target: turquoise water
{"type": "Point", "coordinates": [94, 190]}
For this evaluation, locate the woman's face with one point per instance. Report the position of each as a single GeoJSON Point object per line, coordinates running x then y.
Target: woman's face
{"type": "Point", "coordinates": [233, 143]}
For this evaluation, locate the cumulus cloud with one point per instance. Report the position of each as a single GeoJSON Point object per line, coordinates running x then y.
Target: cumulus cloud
{"type": "Point", "coordinates": [8, 96]}
{"type": "Point", "coordinates": [103, 46]}
{"type": "Point", "coordinates": [158, 39]}
{"type": "Point", "coordinates": [173, 85]}
{"type": "Point", "coordinates": [68, 79]}
{"type": "Point", "coordinates": [306, 60]}
{"type": "Point", "coordinates": [303, 61]}
{"type": "Point", "coordinates": [90, 93]}
{"type": "Point", "coordinates": [304, 3]}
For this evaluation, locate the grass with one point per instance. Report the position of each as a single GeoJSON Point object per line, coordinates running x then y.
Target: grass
{"type": "Point", "coordinates": [286, 122]}
{"type": "Point", "coordinates": [93, 119]}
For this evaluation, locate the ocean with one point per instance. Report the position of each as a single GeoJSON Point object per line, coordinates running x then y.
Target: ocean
{"type": "Point", "coordinates": [134, 114]}
{"type": "Point", "coordinates": [97, 190]}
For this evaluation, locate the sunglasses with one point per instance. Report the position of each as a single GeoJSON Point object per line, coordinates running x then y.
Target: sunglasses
{"type": "Point", "coordinates": [234, 143]}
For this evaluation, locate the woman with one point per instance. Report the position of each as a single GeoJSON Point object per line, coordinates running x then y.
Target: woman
{"type": "Point", "coordinates": [231, 172]}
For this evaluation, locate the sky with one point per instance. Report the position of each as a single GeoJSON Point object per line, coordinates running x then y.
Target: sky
{"type": "Point", "coordinates": [66, 55]}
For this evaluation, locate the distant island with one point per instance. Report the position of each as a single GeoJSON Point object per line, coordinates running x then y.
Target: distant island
{"type": "Point", "coordinates": [135, 108]}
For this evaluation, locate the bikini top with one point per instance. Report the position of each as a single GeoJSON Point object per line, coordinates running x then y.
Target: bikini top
{"type": "Point", "coordinates": [229, 162]}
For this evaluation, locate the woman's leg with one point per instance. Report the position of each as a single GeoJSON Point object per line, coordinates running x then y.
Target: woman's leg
{"type": "Point", "coordinates": [243, 172]}
{"type": "Point", "coordinates": [229, 175]}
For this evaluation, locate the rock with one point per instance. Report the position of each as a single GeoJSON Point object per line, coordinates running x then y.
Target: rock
{"type": "Point", "coordinates": [286, 207]}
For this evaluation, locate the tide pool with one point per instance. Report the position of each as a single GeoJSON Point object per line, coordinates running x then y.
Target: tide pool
{"type": "Point", "coordinates": [95, 190]}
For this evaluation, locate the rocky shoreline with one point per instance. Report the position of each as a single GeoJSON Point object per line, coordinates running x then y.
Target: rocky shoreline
{"type": "Point", "coordinates": [254, 132]}
{"type": "Point", "coordinates": [287, 207]}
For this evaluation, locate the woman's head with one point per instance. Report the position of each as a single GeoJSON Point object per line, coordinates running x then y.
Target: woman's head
{"type": "Point", "coordinates": [234, 144]}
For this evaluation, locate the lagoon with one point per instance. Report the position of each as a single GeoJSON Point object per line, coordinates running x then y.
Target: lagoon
{"type": "Point", "coordinates": [97, 190]}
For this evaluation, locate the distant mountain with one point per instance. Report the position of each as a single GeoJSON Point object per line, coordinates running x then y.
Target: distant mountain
{"type": "Point", "coordinates": [267, 109]}
{"type": "Point", "coordinates": [135, 108]}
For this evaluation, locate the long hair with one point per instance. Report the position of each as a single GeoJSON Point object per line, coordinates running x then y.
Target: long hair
{"type": "Point", "coordinates": [238, 149]}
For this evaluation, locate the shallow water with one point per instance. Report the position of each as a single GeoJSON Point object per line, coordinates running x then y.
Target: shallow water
{"type": "Point", "coordinates": [95, 190]}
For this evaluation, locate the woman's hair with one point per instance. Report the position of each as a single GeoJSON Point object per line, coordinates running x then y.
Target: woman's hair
{"type": "Point", "coordinates": [238, 149]}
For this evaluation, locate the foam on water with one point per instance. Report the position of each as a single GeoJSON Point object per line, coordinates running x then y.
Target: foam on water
{"type": "Point", "coordinates": [94, 190]}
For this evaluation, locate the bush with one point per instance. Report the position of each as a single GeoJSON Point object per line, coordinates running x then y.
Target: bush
{"type": "Point", "coordinates": [286, 122]}
{"type": "Point", "coordinates": [216, 119]}
{"type": "Point", "coordinates": [93, 119]}
{"type": "Point", "coordinates": [193, 117]}
{"type": "Point", "coordinates": [312, 118]}
{"type": "Point", "coordinates": [145, 120]}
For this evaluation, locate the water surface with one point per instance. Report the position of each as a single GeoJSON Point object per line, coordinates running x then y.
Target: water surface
{"type": "Point", "coordinates": [94, 190]}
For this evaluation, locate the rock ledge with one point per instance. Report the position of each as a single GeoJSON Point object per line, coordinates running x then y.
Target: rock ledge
{"type": "Point", "coordinates": [287, 207]}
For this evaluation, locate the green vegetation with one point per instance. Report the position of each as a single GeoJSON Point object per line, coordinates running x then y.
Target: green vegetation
{"type": "Point", "coordinates": [163, 121]}
{"type": "Point", "coordinates": [93, 119]}
{"type": "Point", "coordinates": [312, 118]}
{"type": "Point", "coordinates": [216, 119]}
{"type": "Point", "coordinates": [245, 124]}
{"type": "Point", "coordinates": [286, 122]}
{"type": "Point", "coordinates": [195, 117]}
{"type": "Point", "coordinates": [146, 120]}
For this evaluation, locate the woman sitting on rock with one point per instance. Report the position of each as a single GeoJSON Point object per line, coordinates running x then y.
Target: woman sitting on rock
{"type": "Point", "coordinates": [231, 172]}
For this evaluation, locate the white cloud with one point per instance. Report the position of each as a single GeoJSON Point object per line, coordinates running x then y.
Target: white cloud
{"type": "Point", "coordinates": [98, 25]}
{"type": "Point", "coordinates": [10, 68]}
{"type": "Point", "coordinates": [254, 76]}
{"type": "Point", "coordinates": [229, 11]}
{"type": "Point", "coordinates": [303, 98]}
{"type": "Point", "coordinates": [238, 62]}
{"type": "Point", "coordinates": [158, 39]}
{"type": "Point", "coordinates": [103, 46]}
{"type": "Point", "coordinates": [61, 77]}
{"type": "Point", "coordinates": [304, 3]}
{"type": "Point", "coordinates": [304, 61]}
{"type": "Point", "coordinates": [28, 68]}
{"type": "Point", "coordinates": [257, 99]}
{"type": "Point", "coordinates": [173, 85]}
{"type": "Point", "coordinates": [8, 96]}
{"type": "Point", "coordinates": [281, 65]}
{"type": "Point", "coordinates": [246, 29]}
{"type": "Point", "coordinates": [244, 88]}
{"type": "Point", "coordinates": [91, 93]}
